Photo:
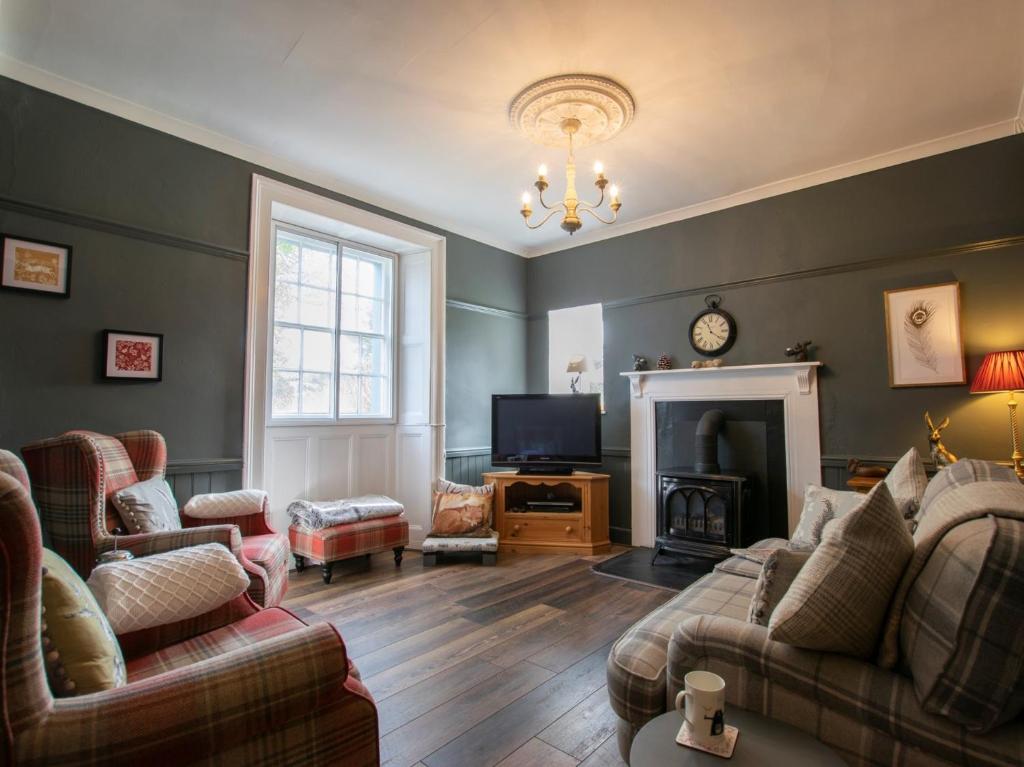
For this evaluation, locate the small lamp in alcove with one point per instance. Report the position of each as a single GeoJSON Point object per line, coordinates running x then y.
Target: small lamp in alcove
{"type": "Point", "coordinates": [577, 365]}
{"type": "Point", "coordinates": [1004, 372]}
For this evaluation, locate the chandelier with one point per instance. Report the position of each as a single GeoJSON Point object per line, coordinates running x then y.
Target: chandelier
{"type": "Point", "coordinates": [572, 111]}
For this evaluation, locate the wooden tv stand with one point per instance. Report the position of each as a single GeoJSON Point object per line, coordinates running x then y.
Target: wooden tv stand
{"type": "Point", "coordinates": [581, 530]}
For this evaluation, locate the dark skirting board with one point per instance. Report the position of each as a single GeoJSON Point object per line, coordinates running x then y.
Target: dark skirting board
{"type": "Point", "coordinates": [668, 572]}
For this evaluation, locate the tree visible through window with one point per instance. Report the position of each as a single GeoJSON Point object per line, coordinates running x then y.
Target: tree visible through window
{"type": "Point", "coordinates": [332, 329]}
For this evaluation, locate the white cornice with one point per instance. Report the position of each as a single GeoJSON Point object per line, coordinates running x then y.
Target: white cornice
{"type": "Point", "coordinates": [106, 102]}
{"type": "Point", "coordinates": [775, 188]}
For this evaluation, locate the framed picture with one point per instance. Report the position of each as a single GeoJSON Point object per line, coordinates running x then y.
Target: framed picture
{"type": "Point", "coordinates": [137, 356]}
{"type": "Point", "coordinates": [36, 266]}
{"type": "Point", "coordinates": [923, 330]}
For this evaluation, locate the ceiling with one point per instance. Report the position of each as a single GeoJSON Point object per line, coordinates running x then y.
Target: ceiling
{"type": "Point", "coordinates": [403, 103]}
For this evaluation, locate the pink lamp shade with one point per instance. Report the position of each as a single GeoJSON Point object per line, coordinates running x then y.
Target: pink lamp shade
{"type": "Point", "coordinates": [1000, 371]}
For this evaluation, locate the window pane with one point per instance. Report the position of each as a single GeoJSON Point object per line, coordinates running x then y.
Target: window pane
{"type": "Point", "coordinates": [369, 315]}
{"type": "Point", "coordinates": [370, 279]}
{"type": "Point", "coordinates": [318, 268]}
{"type": "Point", "coordinates": [349, 274]}
{"type": "Point", "coordinates": [316, 307]}
{"type": "Point", "coordinates": [286, 394]}
{"type": "Point", "coordinates": [348, 313]}
{"type": "Point", "coordinates": [348, 348]}
{"type": "Point", "coordinates": [371, 358]}
{"type": "Point", "coordinates": [371, 396]}
{"type": "Point", "coordinates": [286, 348]}
{"type": "Point", "coordinates": [348, 401]}
{"type": "Point", "coordinates": [287, 263]}
{"type": "Point", "coordinates": [317, 351]}
{"type": "Point", "coordinates": [316, 393]}
{"type": "Point", "coordinates": [286, 302]}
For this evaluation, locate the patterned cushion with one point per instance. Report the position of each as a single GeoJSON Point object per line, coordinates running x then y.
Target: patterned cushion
{"type": "Point", "coordinates": [433, 545]}
{"type": "Point", "coordinates": [817, 511]}
{"type": "Point", "coordinates": [353, 540]}
{"type": "Point", "coordinates": [964, 472]}
{"type": "Point", "coordinates": [242, 633]}
{"type": "Point", "coordinates": [147, 507]}
{"type": "Point", "coordinates": [461, 515]}
{"type": "Point", "coordinates": [907, 482]}
{"type": "Point", "coordinates": [237, 503]}
{"type": "Point", "coordinates": [838, 601]}
{"type": "Point", "coordinates": [961, 626]}
{"type": "Point", "coordinates": [79, 632]}
{"type": "Point", "coordinates": [166, 588]}
{"type": "Point", "coordinates": [777, 575]}
{"type": "Point", "coordinates": [636, 664]}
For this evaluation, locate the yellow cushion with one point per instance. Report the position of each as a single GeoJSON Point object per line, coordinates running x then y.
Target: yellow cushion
{"type": "Point", "coordinates": [78, 632]}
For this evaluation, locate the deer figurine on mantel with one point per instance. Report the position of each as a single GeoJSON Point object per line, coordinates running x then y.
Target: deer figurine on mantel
{"type": "Point", "coordinates": [940, 453]}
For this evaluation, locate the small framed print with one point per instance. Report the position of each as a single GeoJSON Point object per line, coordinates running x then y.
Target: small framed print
{"type": "Point", "coordinates": [36, 266]}
{"type": "Point", "coordinates": [136, 356]}
{"type": "Point", "coordinates": [923, 331]}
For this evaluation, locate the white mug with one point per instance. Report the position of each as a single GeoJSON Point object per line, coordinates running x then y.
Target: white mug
{"type": "Point", "coordinates": [702, 704]}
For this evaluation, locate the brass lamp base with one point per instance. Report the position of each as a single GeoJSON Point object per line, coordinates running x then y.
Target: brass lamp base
{"type": "Point", "coordinates": [1017, 456]}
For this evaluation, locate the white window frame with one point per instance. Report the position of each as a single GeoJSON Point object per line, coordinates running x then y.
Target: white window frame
{"type": "Point", "coordinates": [390, 342]}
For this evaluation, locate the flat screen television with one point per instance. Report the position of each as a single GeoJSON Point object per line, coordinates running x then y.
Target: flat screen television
{"type": "Point", "coordinates": [546, 433]}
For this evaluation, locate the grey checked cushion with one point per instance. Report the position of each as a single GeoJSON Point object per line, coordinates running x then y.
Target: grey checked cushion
{"type": "Point", "coordinates": [962, 624]}
{"type": "Point", "coordinates": [636, 663]}
{"type": "Point", "coordinates": [777, 574]}
{"type": "Point", "coordinates": [838, 601]}
{"type": "Point", "coordinates": [907, 482]}
{"type": "Point", "coordinates": [963, 472]}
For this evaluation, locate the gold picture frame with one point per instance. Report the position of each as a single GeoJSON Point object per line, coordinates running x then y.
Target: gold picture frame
{"type": "Point", "coordinates": [923, 335]}
{"type": "Point", "coordinates": [35, 266]}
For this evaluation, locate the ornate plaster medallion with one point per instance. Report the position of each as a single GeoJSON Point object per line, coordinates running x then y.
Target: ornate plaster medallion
{"type": "Point", "coordinates": [602, 107]}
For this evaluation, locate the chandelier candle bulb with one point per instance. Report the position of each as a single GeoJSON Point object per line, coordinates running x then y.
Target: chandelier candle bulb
{"type": "Point", "coordinates": [599, 168]}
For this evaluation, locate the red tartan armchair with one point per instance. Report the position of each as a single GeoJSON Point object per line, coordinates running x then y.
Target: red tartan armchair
{"type": "Point", "coordinates": [238, 685]}
{"type": "Point", "coordinates": [74, 476]}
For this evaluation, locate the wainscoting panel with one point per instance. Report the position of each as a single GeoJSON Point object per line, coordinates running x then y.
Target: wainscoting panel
{"type": "Point", "coordinates": [467, 465]}
{"type": "Point", "coordinates": [189, 478]}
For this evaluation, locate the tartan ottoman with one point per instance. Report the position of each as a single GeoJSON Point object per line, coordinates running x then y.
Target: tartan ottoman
{"type": "Point", "coordinates": [355, 539]}
{"type": "Point", "coordinates": [486, 547]}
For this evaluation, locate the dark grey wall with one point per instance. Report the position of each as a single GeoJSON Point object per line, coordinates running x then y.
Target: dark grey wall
{"type": "Point", "coordinates": [159, 228]}
{"type": "Point", "coordinates": [813, 264]}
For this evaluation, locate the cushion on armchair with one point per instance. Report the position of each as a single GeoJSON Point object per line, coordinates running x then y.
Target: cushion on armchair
{"type": "Point", "coordinates": [166, 588]}
{"type": "Point", "coordinates": [82, 653]}
{"type": "Point", "coordinates": [147, 507]}
{"type": "Point", "coordinates": [237, 503]}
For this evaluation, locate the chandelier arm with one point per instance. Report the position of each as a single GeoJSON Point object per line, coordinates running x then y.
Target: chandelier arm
{"type": "Point", "coordinates": [556, 206]}
{"type": "Point", "coordinates": [590, 205]}
{"type": "Point", "coordinates": [542, 221]}
{"type": "Point", "coordinates": [612, 220]}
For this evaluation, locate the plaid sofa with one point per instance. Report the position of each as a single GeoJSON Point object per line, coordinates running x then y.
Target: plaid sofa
{"type": "Point", "coordinates": [238, 685]}
{"type": "Point", "coordinates": [924, 706]}
{"type": "Point", "coordinates": [74, 476]}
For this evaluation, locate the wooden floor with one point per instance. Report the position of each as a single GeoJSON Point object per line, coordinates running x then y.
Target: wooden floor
{"type": "Point", "coordinates": [477, 666]}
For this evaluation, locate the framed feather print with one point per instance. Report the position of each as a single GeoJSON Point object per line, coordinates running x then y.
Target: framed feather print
{"type": "Point", "coordinates": [923, 330]}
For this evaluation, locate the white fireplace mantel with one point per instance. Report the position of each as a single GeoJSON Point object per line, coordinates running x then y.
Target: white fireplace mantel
{"type": "Point", "coordinates": [795, 383]}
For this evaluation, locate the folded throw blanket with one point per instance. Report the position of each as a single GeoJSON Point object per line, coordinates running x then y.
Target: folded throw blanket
{"type": "Point", "coordinates": [316, 515]}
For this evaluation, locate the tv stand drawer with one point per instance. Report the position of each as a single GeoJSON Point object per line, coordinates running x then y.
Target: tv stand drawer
{"type": "Point", "coordinates": [527, 527]}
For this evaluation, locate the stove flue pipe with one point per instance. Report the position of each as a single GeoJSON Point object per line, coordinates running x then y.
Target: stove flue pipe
{"type": "Point", "coordinates": [706, 442]}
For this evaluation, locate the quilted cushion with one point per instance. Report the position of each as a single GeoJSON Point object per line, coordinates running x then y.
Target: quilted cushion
{"type": "Point", "coordinates": [838, 601]}
{"type": "Point", "coordinates": [237, 503]}
{"type": "Point", "coordinates": [165, 588]}
{"type": "Point", "coordinates": [961, 626]}
{"type": "Point", "coordinates": [78, 634]}
{"type": "Point", "coordinates": [147, 507]}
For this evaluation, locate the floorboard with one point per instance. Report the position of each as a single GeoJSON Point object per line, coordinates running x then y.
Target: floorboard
{"type": "Point", "coordinates": [477, 666]}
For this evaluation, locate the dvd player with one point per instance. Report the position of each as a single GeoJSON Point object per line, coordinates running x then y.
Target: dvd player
{"type": "Point", "coordinates": [550, 505]}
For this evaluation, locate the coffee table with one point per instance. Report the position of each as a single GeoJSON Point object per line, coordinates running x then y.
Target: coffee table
{"type": "Point", "coordinates": [762, 741]}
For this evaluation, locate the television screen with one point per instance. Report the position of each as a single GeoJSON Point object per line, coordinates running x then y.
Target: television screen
{"type": "Point", "coordinates": [545, 428]}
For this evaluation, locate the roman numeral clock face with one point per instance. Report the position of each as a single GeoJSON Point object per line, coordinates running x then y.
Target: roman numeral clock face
{"type": "Point", "coordinates": [712, 332]}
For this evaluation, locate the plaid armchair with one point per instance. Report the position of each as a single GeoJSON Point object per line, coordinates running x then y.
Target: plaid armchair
{"type": "Point", "coordinates": [75, 475]}
{"type": "Point", "coordinates": [237, 685]}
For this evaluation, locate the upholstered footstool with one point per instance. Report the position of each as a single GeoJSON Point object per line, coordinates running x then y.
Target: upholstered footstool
{"type": "Point", "coordinates": [487, 548]}
{"type": "Point", "coordinates": [347, 541]}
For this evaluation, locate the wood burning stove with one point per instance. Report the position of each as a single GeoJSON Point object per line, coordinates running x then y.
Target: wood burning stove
{"type": "Point", "coordinates": [701, 514]}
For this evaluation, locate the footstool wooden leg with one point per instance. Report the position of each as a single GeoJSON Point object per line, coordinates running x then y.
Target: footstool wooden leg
{"type": "Point", "coordinates": [429, 560]}
{"type": "Point", "coordinates": [300, 563]}
{"type": "Point", "coordinates": [490, 558]}
{"type": "Point", "coordinates": [325, 571]}
{"type": "Point", "coordinates": [398, 555]}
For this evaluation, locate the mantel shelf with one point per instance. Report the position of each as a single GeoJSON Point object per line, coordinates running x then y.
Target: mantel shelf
{"type": "Point", "coordinates": [801, 370]}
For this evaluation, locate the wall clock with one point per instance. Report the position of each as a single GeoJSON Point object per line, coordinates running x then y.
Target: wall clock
{"type": "Point", "coordinates": [713, 330]}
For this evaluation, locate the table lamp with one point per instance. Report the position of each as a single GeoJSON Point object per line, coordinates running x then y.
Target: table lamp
{"type": "Point", "coordinates": [1004, 372]}
{"type": "Point", "coordinates": [577, 365]}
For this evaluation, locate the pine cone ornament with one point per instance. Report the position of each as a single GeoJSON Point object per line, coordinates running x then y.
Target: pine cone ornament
{"type": "Point", "coordinates": [664, 362]}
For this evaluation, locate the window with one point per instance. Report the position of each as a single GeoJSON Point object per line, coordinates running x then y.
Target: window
{"type": "Point", "coordinates": [332, 346]}
{"type": "Point", "coordinates": [576, 336]}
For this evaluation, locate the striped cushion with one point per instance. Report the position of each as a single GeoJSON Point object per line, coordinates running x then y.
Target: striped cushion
{"type": "Point", "coordinates": [838, 601]}
{"type": "Point", "coordinates": [344, 541]}
{"type": "Point", "coordinates": [961, 630]}
{"type": "Point", "coordinates": [636, 664]}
